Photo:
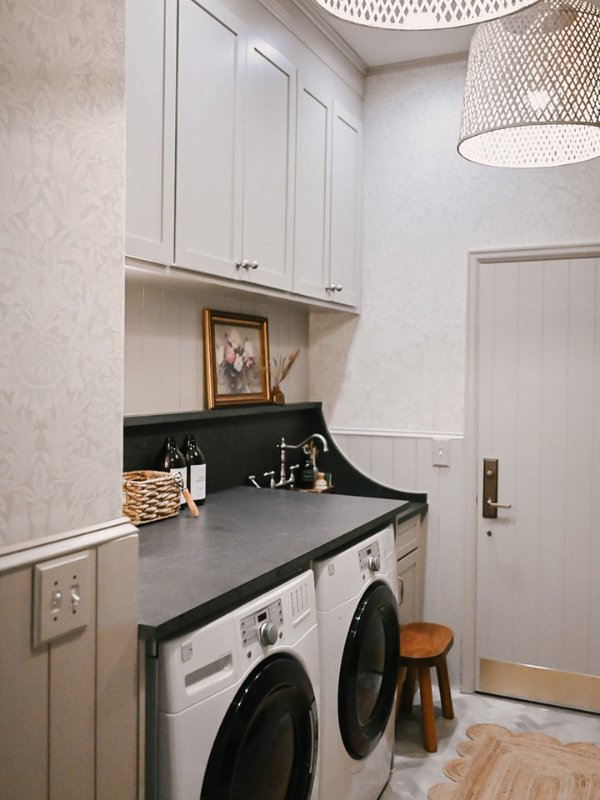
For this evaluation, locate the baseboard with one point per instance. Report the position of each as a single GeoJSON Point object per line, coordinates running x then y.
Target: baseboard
{"type": "Point", "coordinates": [542, 685]}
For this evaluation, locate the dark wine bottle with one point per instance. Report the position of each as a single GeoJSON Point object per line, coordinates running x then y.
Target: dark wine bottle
{"type": "Point", "coordinates": [307, 473]}
{"type": "Point", "coordinates": [196, 470]}
{"type": "Point", "coordinates": [172, 461]}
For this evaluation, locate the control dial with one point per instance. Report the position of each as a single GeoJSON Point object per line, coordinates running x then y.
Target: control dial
{"type": "Point", "coordinates": [268, 633]}
{"type": "Point", "coordinates": [374, 563]}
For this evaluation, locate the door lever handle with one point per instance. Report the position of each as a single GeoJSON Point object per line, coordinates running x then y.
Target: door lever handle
{"type": "Point", "coordinates": [490, 489]}
{"type": "Point", "coordinates": [498, 505]}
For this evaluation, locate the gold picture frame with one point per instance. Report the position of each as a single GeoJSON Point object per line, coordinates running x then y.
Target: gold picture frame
{"type": "Point", "coordinates": [236, 359]}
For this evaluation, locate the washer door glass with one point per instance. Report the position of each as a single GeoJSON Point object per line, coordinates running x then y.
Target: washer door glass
{"type": "Point", "coordinates": [266, 747]}
{"type": "Point", "coordinates": [369, 670]}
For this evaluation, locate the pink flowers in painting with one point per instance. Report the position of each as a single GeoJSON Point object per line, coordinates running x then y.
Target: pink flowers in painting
{"type": "Point", "coordinates": [236, 362]}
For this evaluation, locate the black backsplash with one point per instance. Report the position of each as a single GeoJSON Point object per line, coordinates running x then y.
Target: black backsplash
{"type": "Point", "coordinates": [242, 440]}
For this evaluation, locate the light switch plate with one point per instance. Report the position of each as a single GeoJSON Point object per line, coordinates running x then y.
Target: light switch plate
{"type": "Point", "coordinates": [441, 452]}
{"type": "Point", "coordinates": [61, 598]}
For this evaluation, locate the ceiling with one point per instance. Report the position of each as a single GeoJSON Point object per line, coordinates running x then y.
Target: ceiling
{"type": "Point", "coordinates": [378, 48]}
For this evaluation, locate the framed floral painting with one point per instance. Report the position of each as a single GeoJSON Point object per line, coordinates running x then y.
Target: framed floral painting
{"type": "Point", "coordinates": [236, 355]}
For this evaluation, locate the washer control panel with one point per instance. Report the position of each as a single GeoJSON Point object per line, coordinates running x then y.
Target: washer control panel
{"type": "Point", "coordinates": [369, 557]}
{"type": "Point", "coordinates": [261, 625]}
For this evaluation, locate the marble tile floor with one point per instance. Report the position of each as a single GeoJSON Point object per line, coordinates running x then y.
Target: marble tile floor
{"type": "Point", "coordinates": [416, 771]}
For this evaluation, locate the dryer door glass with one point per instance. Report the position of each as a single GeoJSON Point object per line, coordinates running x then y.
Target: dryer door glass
{"type": "Point", "coordinates": [266, 747]}
{"type": "Point", "coordinates": [369, 670]}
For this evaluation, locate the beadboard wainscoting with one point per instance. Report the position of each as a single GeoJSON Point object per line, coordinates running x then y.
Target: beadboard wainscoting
{"type": "Point", "coordinates": [69, 706]}
{"type": "Point", "coordinates": [164, 341]}
{"type": "Point", "coordinates": [405, 461]}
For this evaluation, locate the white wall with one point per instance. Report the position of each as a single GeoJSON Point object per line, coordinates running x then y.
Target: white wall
{"type": "Point", "coordinates": [164, 341]}
{"type": "Point", "coordinates": [406, 462]}
{"type": "Point", "coordinates": [61, 266]}
{"type": "Point", "coordinates": [425, 208]}
{"type": "Point", "coordinates": [397, 373]}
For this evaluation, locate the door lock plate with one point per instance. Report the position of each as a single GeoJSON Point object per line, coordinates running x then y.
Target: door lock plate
{"type": "Point", "coordinates": [490, 487]}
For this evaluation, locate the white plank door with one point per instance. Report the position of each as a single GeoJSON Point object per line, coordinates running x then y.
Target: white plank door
{"type": "Point", "coordinates": [538, 563]}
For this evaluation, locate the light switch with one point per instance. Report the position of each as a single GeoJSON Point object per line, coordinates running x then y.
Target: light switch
{"type": "Point", "coordinates": [441, 452]}
{"type": "Point", "coordinates": [61, 599]}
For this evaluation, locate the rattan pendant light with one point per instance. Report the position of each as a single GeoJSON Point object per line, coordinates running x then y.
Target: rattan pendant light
{"type": "Point", "coordinates": [532, 92]}
{"type": "Point", "coordinates": [420, 15]}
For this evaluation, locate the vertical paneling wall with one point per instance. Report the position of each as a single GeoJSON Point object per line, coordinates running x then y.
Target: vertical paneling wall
{"type": "Point", "coordinates": [406, 462]}
{"type": "Point", "coordinates": [68, 709]}
{"type": "Point", "coordinates": [164, 342]}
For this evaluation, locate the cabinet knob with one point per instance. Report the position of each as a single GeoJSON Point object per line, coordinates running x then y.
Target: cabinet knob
{"type": "Point", "coordinates": [339, 287]}
{"type": "Point", "coordinates": [253, 265]}
{"type": "Point", "coordinates": [242, 264]}
{"type": "Point", "coordinates": [334, 287]}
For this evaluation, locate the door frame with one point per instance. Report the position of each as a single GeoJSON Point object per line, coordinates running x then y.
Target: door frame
{"type": "Point", "coordinates": [477, 259]}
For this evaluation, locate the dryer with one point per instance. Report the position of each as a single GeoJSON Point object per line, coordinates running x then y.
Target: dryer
{"type": "Point", "coordinates": [357, 612]}
{"type": "Point", "coordinates": [237, 702]}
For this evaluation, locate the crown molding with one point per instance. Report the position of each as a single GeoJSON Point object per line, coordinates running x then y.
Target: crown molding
{"type": "Point", "coordinates": [417, 63]}
{"type": "Point", "coordinates": [309, 10]}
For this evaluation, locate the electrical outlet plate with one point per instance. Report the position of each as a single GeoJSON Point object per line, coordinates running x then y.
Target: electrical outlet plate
{"type": "Point", "coordinates": [441, 452]}
{"type": "Point", "coordinates": [61, 596]}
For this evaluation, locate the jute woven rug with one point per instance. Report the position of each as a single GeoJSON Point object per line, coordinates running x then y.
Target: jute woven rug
{"type": "Point", "coordinates": [499, 765]}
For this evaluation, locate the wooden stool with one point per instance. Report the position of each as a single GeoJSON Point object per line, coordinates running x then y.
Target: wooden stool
{"type": "Point", "coordinates": [424, 645]}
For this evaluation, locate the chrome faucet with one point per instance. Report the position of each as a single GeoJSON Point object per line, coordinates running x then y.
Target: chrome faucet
{"type": "Point", "coordinates": [283, 446]}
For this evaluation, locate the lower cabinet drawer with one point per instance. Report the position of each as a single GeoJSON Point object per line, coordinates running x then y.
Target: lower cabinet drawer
{"type": "Point", "coordinates": [408, 535]}
{"type": "Point", "coordinates": [409, 588]}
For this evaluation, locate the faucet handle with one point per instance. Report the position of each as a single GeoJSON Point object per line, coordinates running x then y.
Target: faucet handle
{"type": "Point", "coordinates": [270, 474]}
{"type": "Point", "coordinates": [292, 481]}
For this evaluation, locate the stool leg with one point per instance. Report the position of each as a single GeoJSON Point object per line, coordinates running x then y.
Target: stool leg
{"type": "Point", "coordinates": [427, 710]}
{"type": "Point", "coordinates": [401, 673]}
{"type": "Point", "coordinates": [408, 689]}
{"type": "Point", "coordinates": [444, 684]}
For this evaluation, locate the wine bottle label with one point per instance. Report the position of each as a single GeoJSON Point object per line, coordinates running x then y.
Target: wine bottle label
{"type": "Point", "coordinates": [183, 472]}
{"type": "Point", "coordinates": [198, 481]}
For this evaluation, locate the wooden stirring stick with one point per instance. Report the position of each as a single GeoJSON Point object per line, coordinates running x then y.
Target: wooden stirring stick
{"type": "Point", "coordinates": [188, 499]}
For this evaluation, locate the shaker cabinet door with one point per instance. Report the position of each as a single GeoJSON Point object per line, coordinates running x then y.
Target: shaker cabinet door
{"type": "Point", "coordinates": [313, 181]}
{"type": "Point", "coordinates": [346, 207]}
{"type": "Point", "coordinates": [150, 107]}
{"type": "Point", "coordinates": [409, 588]}
{"type": "Point", "coordinates": [212, 56]}
{"type": "Point", "coordinates": [269, 151]}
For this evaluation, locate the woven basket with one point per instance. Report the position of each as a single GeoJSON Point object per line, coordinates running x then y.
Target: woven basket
{"type": "Point", "coordinates": [149, 496]}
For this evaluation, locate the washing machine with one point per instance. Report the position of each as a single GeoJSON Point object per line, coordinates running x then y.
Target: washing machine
{"type": "Point", "coordinates": [237, 702]}
{"type": "Point", "coordinates": [359, 637]}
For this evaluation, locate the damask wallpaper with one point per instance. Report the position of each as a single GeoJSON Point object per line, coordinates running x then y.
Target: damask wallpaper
{"type": "Point", "coordinates": [61, 264]}
{"type": "Point", "coordinates": [401, 366]}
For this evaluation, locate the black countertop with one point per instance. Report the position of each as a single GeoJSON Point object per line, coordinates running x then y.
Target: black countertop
{"type": "Point", "coordinates": [244, 542]}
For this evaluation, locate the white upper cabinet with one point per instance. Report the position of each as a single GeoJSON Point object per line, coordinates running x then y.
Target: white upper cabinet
{"type": "Point", "coordinates": [211, 63]}
{"type": "Point", "coordinates": [313, 182]}
{"type": "Point", "coordinates": [269, 146]}
{"type": "Point", "coordinates": [346, 184]}
{"type": "Point", "coordinates": [328, 190]}
{"type": "Point", "coordinates": [235, 145]}
{"type": "Point", "coordinates": [235, 168]}
{"type": "Point", "coordinates": [150, 107]}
